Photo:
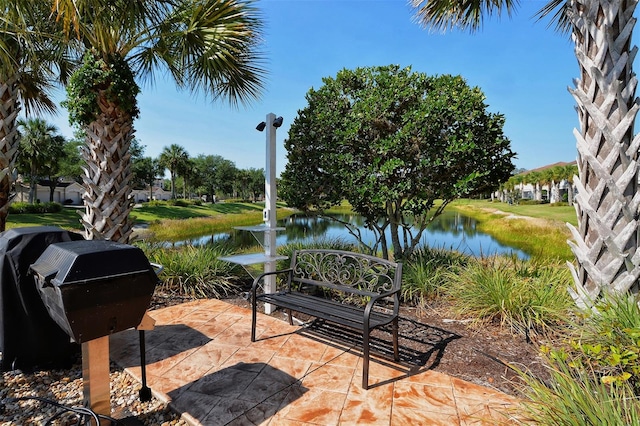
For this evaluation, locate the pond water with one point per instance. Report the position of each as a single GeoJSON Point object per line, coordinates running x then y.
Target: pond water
{"type": "Point", "coordinates": [451, 231]}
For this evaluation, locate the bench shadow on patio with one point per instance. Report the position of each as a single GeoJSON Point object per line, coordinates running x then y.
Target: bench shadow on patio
{"type": "Point", "coordinates": [201, 360]}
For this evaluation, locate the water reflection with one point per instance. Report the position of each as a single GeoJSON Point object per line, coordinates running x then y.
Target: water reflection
{"type": "Point", "coordinates": [451, 231]}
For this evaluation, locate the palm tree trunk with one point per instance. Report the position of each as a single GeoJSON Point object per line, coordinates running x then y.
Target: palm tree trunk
{"type": "Point", "coordinates": [9, 108]}
{"type": "Point", "coordinates": [607, 202]}
{"type": "Point", "coordinates": [107, 196]}
{"type": "Point", "coordinates": [173, 184]}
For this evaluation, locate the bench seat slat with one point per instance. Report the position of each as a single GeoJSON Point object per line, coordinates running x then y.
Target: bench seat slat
{"type": "Point", "coordinates": [340, 313]}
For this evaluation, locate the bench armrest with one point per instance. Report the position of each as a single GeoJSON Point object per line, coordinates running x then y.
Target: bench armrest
{"type": "Point", "coordinates": [260, 277]}
{"type": "Point", "coordinates": [376, 298]}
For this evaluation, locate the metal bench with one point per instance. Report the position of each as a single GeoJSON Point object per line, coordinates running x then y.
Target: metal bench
{"type": "Point", "coordinates": [340, 287]}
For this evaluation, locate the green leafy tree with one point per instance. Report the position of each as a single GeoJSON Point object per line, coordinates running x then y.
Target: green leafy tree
{"type": "Point", "coordinates": [32, 61]}
{"type": "Point", "coordinates": [41, 150]}
{"type": "Point", "coordinates": [217, 174]}
{"type": "Point", "coordinates": [391, 142]}
{"type": "Point", "coordinates": [607, 251]}
{"type": "Point", "coordinates": [71, 162]}
{"type": "Point", "coordinates": [255, 182]}
{"type": "Point", "coordinates": [173, 158]}
{"type": "Point", "coordinates": [206, 46]}
{"type": "Point", "coordinates": [145, 172]}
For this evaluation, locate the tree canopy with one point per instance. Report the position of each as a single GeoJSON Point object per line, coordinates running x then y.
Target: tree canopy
{"type": "Point", "coordinates": [391, 142]}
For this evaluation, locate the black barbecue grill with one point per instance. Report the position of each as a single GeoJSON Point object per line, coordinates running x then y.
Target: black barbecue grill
{"type": "Point", "coordinates": [94, 288]}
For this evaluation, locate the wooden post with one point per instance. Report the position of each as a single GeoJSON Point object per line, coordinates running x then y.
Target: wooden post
{"type": "Point", "coordinates": [95, 376]}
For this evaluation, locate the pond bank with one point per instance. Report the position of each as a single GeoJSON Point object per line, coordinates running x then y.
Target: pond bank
{"type": "Point", "coordinates": [543, 238]}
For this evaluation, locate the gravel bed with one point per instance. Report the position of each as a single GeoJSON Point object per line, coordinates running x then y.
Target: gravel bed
{"type": "Point", "coordinates": [64, 387]}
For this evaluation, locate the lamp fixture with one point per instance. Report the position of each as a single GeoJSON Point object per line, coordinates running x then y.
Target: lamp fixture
{"type": "Point", "coordinates": [260, 127]}
{"type": "Point", "coordinates": [277, 122]}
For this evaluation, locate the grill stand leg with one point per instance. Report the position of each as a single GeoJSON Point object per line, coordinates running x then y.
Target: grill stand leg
{"type": "Point", "coordinates": [145, 391]}
{"type": "Point", "coordinates": [95, 376]}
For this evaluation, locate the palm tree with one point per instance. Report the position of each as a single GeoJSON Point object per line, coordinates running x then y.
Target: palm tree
{"type": "Point", "coordinates": [40, 149]}
{"type": "Point", "coordinates": [557, 175]}
{"type": "Point", "coordinates": [205, 45]}
{"type": "Point", "coordinates": [606, 240]}
{"type": "Point", "coordinates": [173, 157]}
{"type": "Point", "coordinates": [545, 178]}
{"type": "Point", "coordinates": [32, 60]}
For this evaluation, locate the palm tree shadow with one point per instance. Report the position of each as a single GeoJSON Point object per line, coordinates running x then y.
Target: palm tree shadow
{"type": "Point", "coordinates": [244, 393]}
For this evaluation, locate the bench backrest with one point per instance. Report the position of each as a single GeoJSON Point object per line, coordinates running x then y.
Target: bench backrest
{"type": "Point", "coordinates": [346, 271]}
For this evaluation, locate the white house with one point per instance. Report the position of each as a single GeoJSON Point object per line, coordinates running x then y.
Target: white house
{"type": "Point", "coordinates": [142, 195]}
{"type": "Point", "coordinates": [64, 193]}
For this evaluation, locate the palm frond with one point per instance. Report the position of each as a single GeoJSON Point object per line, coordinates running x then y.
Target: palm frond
{"type": "Point", "coordinates": [445, 15]}
{"type": "Point", "coordinates": [211, 46]}
{"type": "Point", "coordinates": [558, 10]}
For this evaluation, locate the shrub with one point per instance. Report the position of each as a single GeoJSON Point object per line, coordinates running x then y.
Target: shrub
{"type": "Point", "coordinates": [178, 203]}
{"type": "Point", "coordinates": [607, 340]}
{"type": "Point", "coordinates": [37, 208]}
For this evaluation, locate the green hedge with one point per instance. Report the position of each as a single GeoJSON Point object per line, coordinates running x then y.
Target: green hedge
{"type": "Point", "coordinates": [20, 207]}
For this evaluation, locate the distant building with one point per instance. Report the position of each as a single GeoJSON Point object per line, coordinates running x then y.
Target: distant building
{"type": "Point", "coordinates": [142, 195]}
{"type": "Point", "coordinates": [69, 193]}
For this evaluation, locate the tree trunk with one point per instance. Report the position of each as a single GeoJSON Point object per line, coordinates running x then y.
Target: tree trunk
{"type": "Point", "coordinates": [607, 202]}
{"type": "Point", "coordinates": [173, 184]}
{"type": "Point", "coordinates": [33, 185]}
{"type": "Point", "coordinates": [570, 191]}
{"type": "Point", "coordinates": [9, 108]}
{"type": "Point", "coordinates": [107, 196]}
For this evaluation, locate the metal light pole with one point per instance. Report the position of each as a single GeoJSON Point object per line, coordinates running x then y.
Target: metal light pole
{"type": "Point", "coordinates": [269, 227]}
{"type": "Point", "coordinates": [269, 212]}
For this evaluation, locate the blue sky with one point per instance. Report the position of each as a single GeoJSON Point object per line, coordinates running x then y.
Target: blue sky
{"type": "Point", "coordinates": [523, 67]}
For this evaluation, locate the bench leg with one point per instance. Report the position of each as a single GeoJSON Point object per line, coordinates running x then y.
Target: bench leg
{"type": "Point", "coordinates": [290, 317]}
{"type": "Point", "coordinates": [365, 359]}
{"type": "Point", "coordinates": [253, 321]}
{"type": "Point", "coordinates": [396, 351]}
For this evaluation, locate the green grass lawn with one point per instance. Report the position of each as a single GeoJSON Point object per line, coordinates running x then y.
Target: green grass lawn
{"type": "Point", "coordinates": [151, 213]}
{"type": "Point", "coordinates": [562, 214]}
{"type": "Point", "coordinates": [68, 218]}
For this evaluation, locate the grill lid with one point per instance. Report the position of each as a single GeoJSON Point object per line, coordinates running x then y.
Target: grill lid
{"type": "Point", "coordinates": [85, 261]}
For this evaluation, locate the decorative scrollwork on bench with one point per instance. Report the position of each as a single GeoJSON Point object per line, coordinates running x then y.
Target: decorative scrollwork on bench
{"type": "Point", "coordinates": [360, 272]}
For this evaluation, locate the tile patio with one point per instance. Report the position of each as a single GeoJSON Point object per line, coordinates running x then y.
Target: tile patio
{"type": "Point", "coordinates": [200, 359]}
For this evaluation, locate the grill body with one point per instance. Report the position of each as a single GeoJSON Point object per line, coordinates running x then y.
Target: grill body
{"type": "Point", "coordinates": [94, 288]}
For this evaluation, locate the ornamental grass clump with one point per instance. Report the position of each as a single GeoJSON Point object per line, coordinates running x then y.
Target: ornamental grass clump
{"type": "Point", "coordinates": [426, 272]}
{"type": "Point", "coordinates": [196, 271]}
{"type": "Point", "coordinates": [574, 396]}
{"type": "Point", "coordinates": [530, 298]}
